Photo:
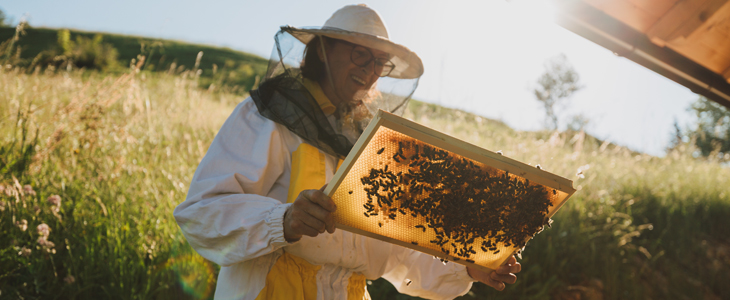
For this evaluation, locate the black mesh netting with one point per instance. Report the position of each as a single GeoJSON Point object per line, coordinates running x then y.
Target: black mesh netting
{"type": "Point", "coordinates": [282, 97]}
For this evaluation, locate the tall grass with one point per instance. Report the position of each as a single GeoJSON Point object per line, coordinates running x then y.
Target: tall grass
{"type": "Point", "coordinates": [119, 151]}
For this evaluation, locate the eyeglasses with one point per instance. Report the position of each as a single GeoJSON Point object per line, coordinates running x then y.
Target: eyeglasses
{"type": "Point", "coordinates": [361, 57]}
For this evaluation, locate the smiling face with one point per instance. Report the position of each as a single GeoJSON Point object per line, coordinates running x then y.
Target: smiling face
{"type": "Point", "coordinates": [351, 82]}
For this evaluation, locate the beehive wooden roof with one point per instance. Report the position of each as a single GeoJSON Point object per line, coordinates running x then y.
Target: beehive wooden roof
{"type": "Point", "coordinates": [687, 41]}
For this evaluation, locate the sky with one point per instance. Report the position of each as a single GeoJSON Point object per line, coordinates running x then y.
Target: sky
{"type": "Point", "coordinates": [482, 56]}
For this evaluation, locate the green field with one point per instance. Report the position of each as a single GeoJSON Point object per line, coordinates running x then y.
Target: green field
{"type": "Point", "coordinates": [120, 148]}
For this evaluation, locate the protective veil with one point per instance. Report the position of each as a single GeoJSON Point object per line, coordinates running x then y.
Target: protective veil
{"type": "Point", "coordinates": [284, 97]}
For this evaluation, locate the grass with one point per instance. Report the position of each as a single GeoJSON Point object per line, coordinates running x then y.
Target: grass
{"type": "Point", "coordinates": [119, 149]}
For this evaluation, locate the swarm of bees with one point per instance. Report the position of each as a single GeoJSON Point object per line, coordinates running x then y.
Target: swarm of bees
{"type": "Point", "coordinates": [461, 201]}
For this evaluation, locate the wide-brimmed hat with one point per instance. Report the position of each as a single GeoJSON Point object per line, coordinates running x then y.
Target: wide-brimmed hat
{"type": "Point", "coordinates": [362, 25]}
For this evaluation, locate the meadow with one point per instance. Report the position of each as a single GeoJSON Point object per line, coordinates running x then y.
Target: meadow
{"type": "Point", "coordinates": [92, 165]}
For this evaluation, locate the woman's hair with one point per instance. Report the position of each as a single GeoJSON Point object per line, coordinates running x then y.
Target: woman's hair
{"type": "Point", "coordinates": [312, 67]}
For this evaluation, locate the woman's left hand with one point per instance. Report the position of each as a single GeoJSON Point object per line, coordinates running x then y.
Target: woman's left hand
{"type": "Point", "coordinates": [500, 276]}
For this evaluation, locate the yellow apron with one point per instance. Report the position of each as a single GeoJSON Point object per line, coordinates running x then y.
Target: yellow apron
{"type": "Point", "coordinates": [291, 277]}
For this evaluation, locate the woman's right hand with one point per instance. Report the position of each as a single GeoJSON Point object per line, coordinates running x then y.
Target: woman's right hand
{"type": "Point", "coordinates": [311, 214]}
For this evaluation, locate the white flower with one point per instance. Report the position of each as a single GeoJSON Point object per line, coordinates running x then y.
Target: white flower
{"type": "Point", "coordinates": [581, 170]}
{"type": "Point", "coordinates": [44, 230]}
{"type": "Point", "coordinates": [22, 224]}
{"type": "Point", "coordinates": [24, 252]}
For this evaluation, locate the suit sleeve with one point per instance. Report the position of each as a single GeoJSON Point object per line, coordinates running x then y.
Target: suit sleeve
{"type": "Point", "coordinates": [225, 217]}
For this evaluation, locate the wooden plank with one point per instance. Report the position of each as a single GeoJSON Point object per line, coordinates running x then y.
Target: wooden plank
{"type": "Point", "coordinates": [683, 19]}
{"type": "Point", "coordinates": [656, 8]}
{"type": "Point", "coordinates": [709, 45]}
{"type": "Point", "coordinates": [628, 12]}
{"type": "Point", "coordinates": [596, 26]}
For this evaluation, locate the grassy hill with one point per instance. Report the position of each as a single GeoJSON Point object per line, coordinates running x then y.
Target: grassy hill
{"type": "Point", "coordinates": [231, 66]}
{"type": "Point", "coordinates": [119, 149]}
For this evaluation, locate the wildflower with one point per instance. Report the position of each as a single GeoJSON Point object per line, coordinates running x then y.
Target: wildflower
{"type": "Point", "coordinates": [47, 245]}
{"type": "Point", "coordinates": [55, 202]}
{"type": "Point", "coordinates": [69, 279]}
{"type": "Point", "coordinates": [2, 205]}
{"type": "Point", "coordinates": [582, 169]}
{"type": "Point", "coordinates": [36, 209]}
{"type": "Point", "coordinates": [44, 230]}
{"type": "Point", "coordinates": [25, 252]}
{"type": "Point", "coordinates": [28, 190]}
{"type": "Point", "coordinates": [22, 224]}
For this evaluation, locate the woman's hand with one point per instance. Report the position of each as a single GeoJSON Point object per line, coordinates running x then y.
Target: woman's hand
{"type": "Point", "coordinates": [497, 278]}
{"type": "Point", "coordinates": [311, 214]}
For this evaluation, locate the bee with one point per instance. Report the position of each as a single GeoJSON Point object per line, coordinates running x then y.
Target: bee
{"type": "Point", "coordinates": [366, 215]}
{"type": "Point", "coordinates": [381, 150]}
{"type": "Point", "coordinates": [415, 243]}
{"type": "Point", "coordinates": [380, 224]}
{"type": "Point", "coordinates": [538, 166]}
{"type": "Point", "coordinates": [469, 260]}
{"type": "Point", "coordinates": [408, 282]}
{"type": "Point", "coordinates": [350, 192]}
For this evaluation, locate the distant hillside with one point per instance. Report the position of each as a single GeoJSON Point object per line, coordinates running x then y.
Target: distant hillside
{"type": "Point", "coordinates": [160, 54]}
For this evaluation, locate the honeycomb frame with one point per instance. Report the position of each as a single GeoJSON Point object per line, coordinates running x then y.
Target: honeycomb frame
{"type": "Point", "coordinates": [375, 148]}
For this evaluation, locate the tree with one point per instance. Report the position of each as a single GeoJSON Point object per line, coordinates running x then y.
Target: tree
{"type": "Point", "coordinates": [712, 135]}
{"type": "Point", "coordinates": [3, 19]}
{"type": "Point", "coordinates": [555, 86]}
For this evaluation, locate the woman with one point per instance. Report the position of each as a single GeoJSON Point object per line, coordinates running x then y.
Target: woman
{"type": "Point", "coordinates": [254, 206]}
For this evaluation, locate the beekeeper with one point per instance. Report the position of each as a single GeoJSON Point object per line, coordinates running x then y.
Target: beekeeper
{"type": "Point", "coordinates": [255, 204]}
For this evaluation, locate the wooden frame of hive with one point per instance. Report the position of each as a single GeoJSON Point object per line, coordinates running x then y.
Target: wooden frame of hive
{"type": "Point", "coordinates": [384, 129]}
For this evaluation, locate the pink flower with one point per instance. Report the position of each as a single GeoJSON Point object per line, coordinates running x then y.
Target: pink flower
{"type": "Point", "coordinates": [69, 279]}
{"type": "Point", "coordinates": [55, 202]}
{"type": "Point", "coordinates": [28, 190]}
{"type": "Point", "coordinates": [22, 224]}
{"type": "Point", "coordinates": [44, 230]}
{"type": "Point", "coordinates": [46, 244]}
{"type": "Point", "coordinates": [25, 252]}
